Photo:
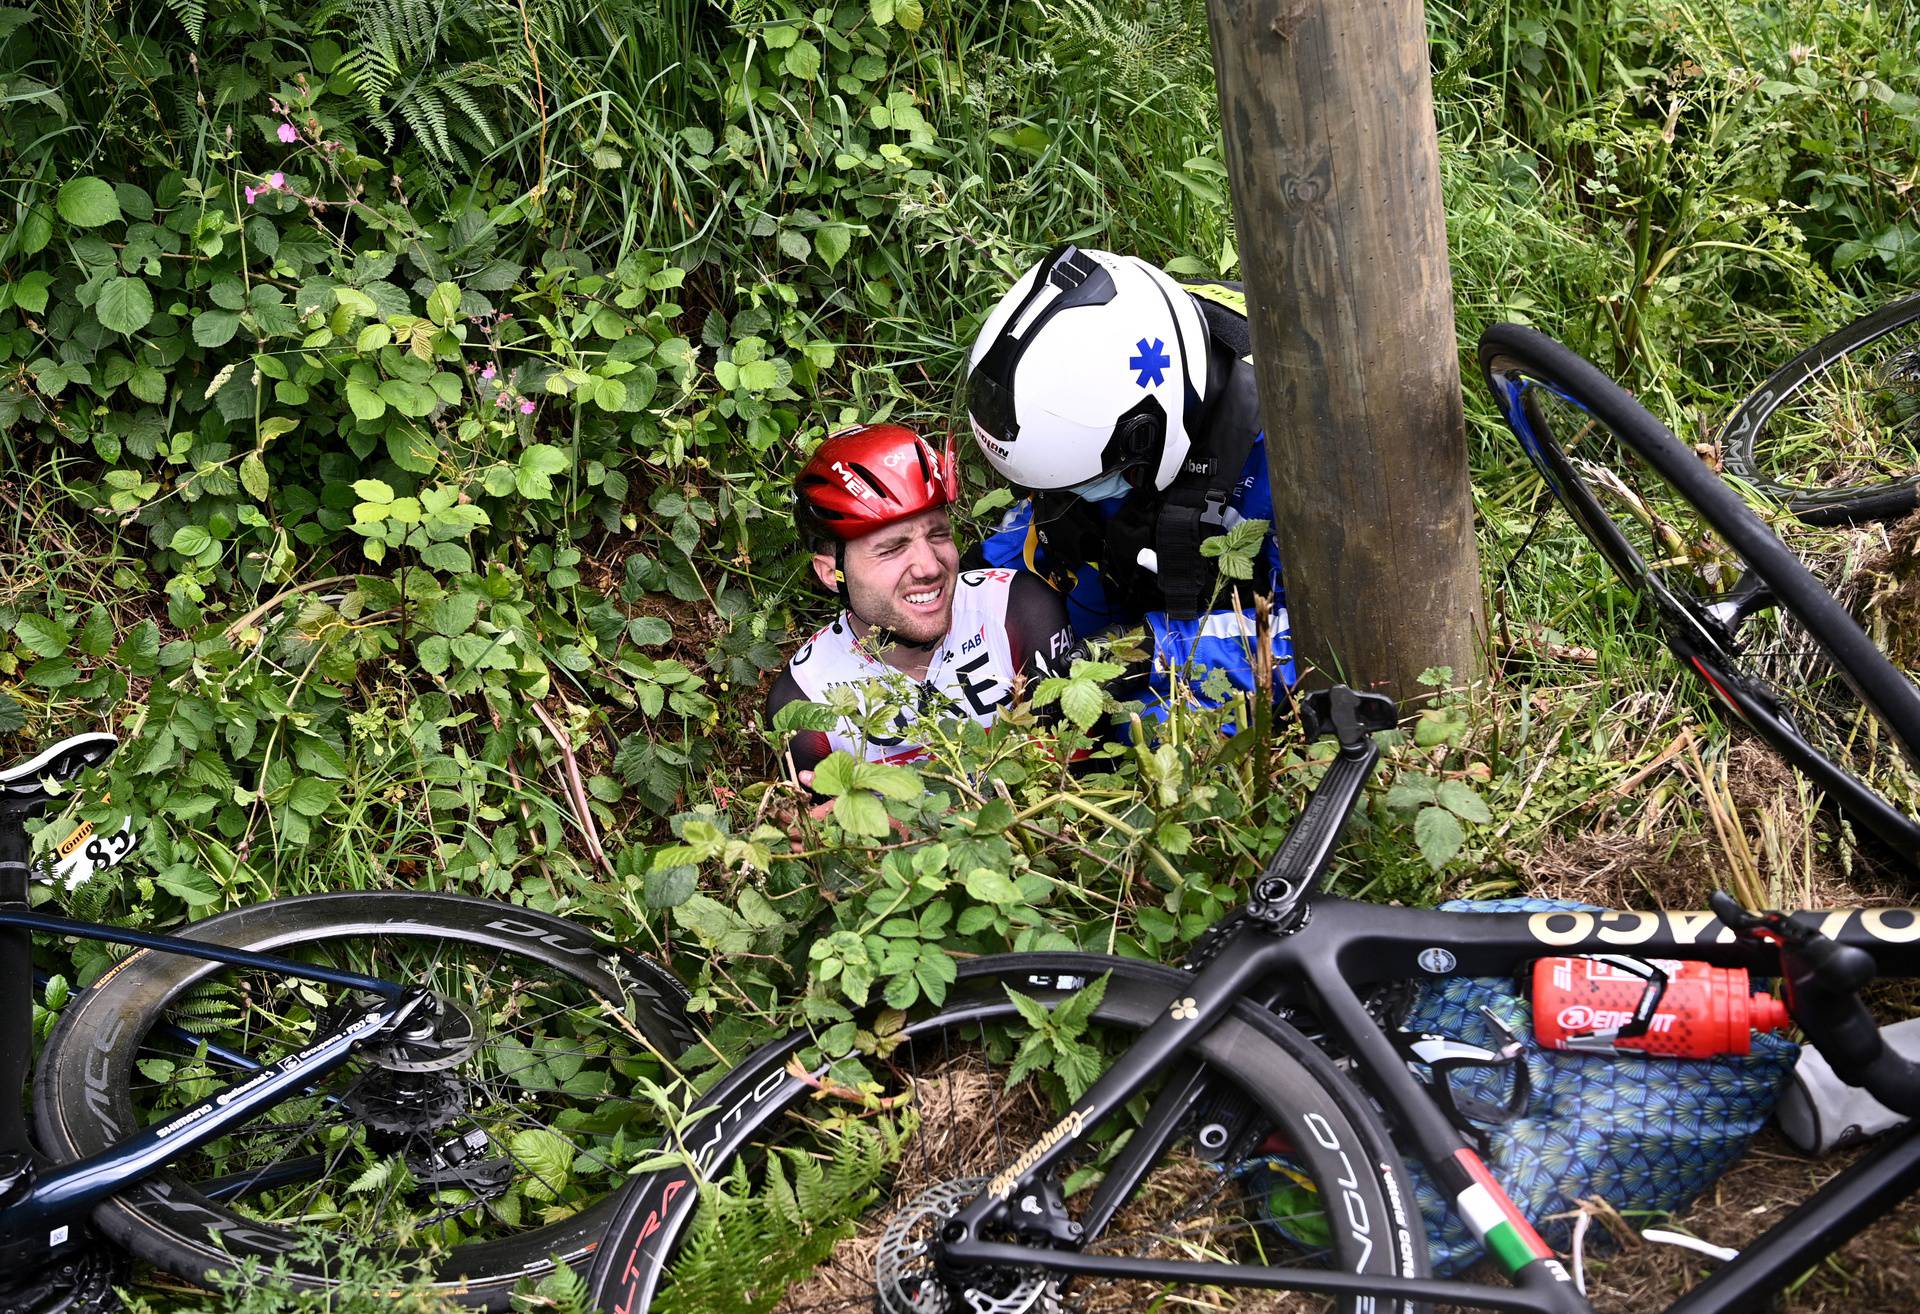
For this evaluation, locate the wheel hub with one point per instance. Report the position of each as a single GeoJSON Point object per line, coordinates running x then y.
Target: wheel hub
{"type": "Point", "coordinates": [441, 1034]}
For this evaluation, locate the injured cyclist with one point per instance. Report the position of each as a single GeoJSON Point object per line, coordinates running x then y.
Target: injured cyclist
{"type": "Point", "coordinates": [917, 638]}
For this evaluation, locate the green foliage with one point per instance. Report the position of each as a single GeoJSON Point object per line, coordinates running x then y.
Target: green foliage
{"type": "Point", "coordinates": [1056, 1041]}
{"type": "Point", "coordinates": [362, 1285]}
{"type": "Point", "coordinates": [401, 396]}
{"type": "Point", "coordinates": [748, 1245]}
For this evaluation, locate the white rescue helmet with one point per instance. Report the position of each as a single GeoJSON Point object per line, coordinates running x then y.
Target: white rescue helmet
{"type": "Point", "coordinates": [1094, 363]}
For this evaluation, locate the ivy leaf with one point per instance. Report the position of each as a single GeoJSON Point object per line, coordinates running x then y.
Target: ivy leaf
{"type": "Point", "coordinates": [803, 59]}
{"type": "Point", "coordinates": [41, 636]}
{"type": "Point", "coordinates": [989, 886]}
{"type": "Point", "coordinates": [1439, 835]}
{"type": "Point", "coordinates": [88, 203]}
{"type": "Point", "coordinates": [125, 305]}
{"type": "Point", "coordinates": [1459, 798]}
{"type": "Point", "coordinates": [832, 241]}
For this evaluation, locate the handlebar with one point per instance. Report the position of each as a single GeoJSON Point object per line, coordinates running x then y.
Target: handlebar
{"type": "Point", "coordinates": [1823, 982]}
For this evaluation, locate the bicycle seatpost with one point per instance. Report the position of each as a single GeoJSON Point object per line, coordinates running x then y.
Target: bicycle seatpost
{"type": "Point", "coordinates": [1295, 870]}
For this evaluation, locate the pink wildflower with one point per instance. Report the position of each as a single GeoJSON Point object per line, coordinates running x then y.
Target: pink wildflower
{"type": "Point", "coordinates": [251, 193]}
{"type": "Point", "coordinates": [289, 133]}
{"type": "Point", "coordinates": [276, 180]}
{"type": "Point", "coordinates": [487, 373]}
{"type": "Point", "coordinates": [526, 406]}
{"type": "Point", "coordinates": [503, 401]}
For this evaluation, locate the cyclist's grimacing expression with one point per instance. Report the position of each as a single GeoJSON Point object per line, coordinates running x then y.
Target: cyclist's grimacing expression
{"type": "Point", "coordinates": [901, 577]}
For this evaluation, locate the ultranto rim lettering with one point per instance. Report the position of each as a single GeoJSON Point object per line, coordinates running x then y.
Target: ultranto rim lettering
{"type": "Point", "coordinates": [1002, 1185]}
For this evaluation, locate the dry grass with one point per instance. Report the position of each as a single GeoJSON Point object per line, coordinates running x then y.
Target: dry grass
{"type": "Point", "coordinates": [1877, 1272]}
{"type": "Point", "coordinates": [966, 1120]}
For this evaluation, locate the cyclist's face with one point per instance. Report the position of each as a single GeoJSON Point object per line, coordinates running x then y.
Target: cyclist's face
{"type": "Point", "coordinates": [902, 578]}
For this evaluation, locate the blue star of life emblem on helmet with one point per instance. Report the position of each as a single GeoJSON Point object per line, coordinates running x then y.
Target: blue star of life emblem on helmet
{"type": "Point", "coordinates": [1152, 363]}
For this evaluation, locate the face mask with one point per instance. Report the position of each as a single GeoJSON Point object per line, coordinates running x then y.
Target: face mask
{"type": "Point", "coordinates": [1106, 486]}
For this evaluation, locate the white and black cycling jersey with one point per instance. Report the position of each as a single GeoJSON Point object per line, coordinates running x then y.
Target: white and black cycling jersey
{"type": "Point", "coordinates": [1006, 624]}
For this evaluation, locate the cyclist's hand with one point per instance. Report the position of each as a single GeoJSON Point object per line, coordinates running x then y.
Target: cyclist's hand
{"type": "Point", "coordinates": [819, 810]}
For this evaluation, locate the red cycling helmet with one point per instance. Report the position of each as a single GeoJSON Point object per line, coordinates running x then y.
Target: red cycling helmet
{"type": "Point", "coordinates": [868, 477]}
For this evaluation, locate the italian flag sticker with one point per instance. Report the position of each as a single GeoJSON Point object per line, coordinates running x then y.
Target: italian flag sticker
{"type": "Point", "coordinates": [1509, 1237]}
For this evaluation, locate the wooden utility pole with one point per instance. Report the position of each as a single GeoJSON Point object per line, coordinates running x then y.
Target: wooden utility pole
{"type": "Point", "coordinates": [1327, 107]}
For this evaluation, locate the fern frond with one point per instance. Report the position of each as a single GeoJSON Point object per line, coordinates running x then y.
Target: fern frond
{"type": "Point", "coordinates": [192, 15]}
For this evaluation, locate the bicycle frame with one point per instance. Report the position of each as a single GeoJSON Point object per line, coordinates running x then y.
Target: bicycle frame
{"type": "Point", "coordinates": [1320, 971]}
{"type": "Point", "coordinates": [40, 1208]}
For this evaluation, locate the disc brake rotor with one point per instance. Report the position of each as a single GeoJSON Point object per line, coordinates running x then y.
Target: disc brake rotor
{"type": "Point", "coordinates": [907, 1279]}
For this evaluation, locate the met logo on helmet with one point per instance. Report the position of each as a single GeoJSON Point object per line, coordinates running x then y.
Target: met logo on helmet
{"type": "Point", "coordinates": [855, 484]}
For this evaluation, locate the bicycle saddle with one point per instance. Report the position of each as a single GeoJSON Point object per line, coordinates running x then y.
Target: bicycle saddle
{"type": "Point", "coordinates": [32, 779]}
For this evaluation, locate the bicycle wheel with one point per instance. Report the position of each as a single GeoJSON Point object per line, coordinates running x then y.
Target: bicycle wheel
{"type": "Point", "coordinates": [1834, 434]}
{"type": "Point", "coordinates": [1732, 601]}
{"type": "Point", "coordinates": [829, 1205]}
{"type": "Point", "coordinates": [482, 1160]}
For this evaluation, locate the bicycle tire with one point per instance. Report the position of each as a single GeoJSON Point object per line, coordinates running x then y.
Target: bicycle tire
{"type": "Point", "coordinates": [1675, 536]}
{"type": "Point", "coordinates": [1255, 1052]}
{"type": "Point", "coordinates": [1861, 381]}
{"type": "Point", "coordinates": [100, 1079]}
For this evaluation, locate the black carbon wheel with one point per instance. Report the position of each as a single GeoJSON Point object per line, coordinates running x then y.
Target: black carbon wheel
{"type": "Point", "coordinates": [1733, 603]}
{"type": "Point", "coordinates": [483, 1160]}
{"type": "Point", "coordinates": [1834, 434]}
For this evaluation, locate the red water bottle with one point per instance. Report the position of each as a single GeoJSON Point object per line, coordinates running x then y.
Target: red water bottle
{"type": "Point", "coordinates": [1654, 1006]}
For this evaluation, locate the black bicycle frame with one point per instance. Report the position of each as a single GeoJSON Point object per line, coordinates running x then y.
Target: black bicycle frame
{"type": "Point", "coordinates": [1351, 946]}
{"type": "Point", "coordinates": [38, 1219]}
{"type": "Point", "coordinates": [1317, 957]}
